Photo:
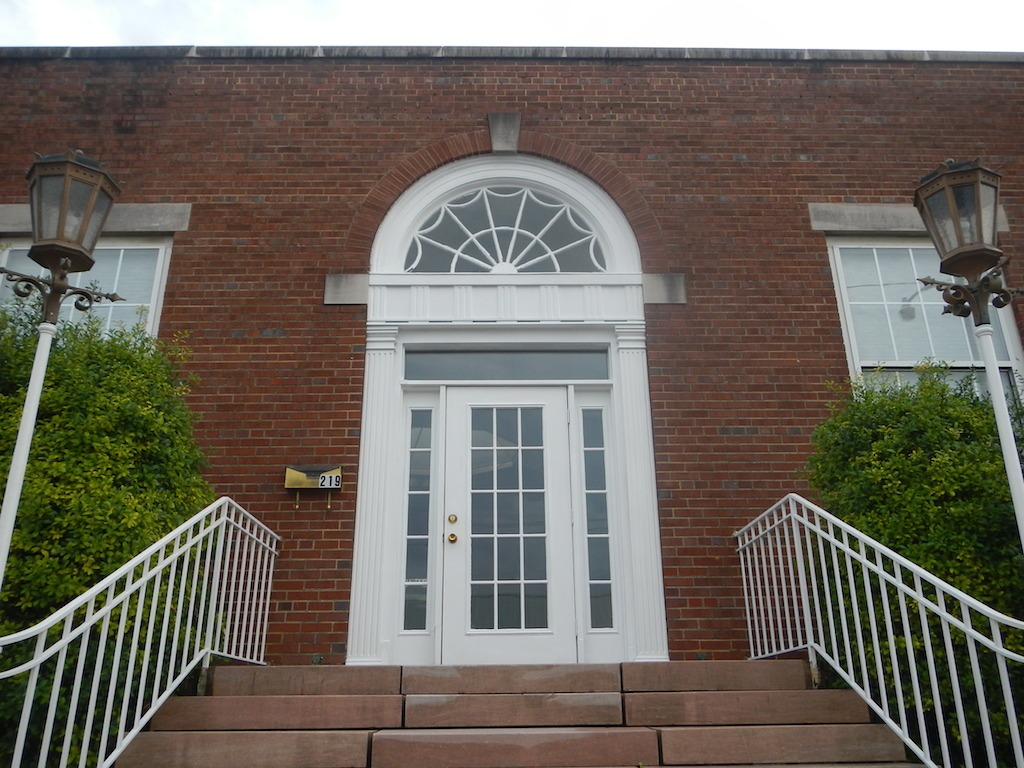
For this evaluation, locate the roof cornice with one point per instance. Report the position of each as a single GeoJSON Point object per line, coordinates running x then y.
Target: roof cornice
{"type": "Point", "coordinates": [537, 53]}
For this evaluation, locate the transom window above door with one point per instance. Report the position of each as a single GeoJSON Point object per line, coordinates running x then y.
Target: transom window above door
{"type": "Point", "coordinates": [505, 229]}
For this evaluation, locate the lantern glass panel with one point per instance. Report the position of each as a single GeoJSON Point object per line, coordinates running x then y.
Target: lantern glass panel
{"type": "Point", "coordinates": [988, 213]}
{"type": "Point", "coordinates": [51, 193]}
{"type": "Point", "coordinates": [99, 216]}
{"type": "Point", "coordinates": [78, 205]}
{"type": "Point", "coordinates": [945, 227]}
{"type": "Point", "coordinates": [967, 209]}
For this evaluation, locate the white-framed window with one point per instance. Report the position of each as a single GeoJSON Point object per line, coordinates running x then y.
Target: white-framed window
{"type": "Point", "coordinates": [133, 268]}
{"type": "Point", "coordinates": [892, 322]}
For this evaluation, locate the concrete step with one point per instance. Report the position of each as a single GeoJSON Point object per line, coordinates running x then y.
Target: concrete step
{"type": "Point", "coordinates": [682, 714]}
{"type": "Point", "coordinates": [523, 678]}
{"type": "Point", "coordinates": [304, 681]}
{"type": "Point", "coordinates": [715, 675]}
{"type": "Point", "coordinates": [279, 713]}
{"type": "Point", "coordinates": [744, 707]}
{"type": "Point", "coordinates": [471, 710]}
{"type": "Point", "coordinates": [247, 749]}
{"type": "Point", "coordinates": [773, 744]}
{"type": "Point", "coordinates": [520, 747]}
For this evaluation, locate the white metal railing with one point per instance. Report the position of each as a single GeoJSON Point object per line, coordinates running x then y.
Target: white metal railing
{"type": "Point", "coordinates": [88, 679]}
{"type": "Point", "coordinates": [943, 670]}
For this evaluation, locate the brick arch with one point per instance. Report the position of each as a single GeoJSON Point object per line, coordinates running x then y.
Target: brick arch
{"type": "Point", "coordinates": [616, 184]}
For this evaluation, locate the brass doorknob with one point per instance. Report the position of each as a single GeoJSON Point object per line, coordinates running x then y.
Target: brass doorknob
{"type": "Point", "coordinates": [452, 519]}
{"type": "Point", "coordinates": [452, 538]}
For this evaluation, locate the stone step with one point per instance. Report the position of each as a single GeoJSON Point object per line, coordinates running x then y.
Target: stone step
{"type": "Point", "coordinates": [304, 681]}
{"type": "Point", "coordinates": [246, 749]}
{"type": "Point", "coordinates": [521, 678]}
{"type": "Point", "coordinates": [715, 675]}
{"type": "Point", "coordinates": [744, 707]}
{"type": "Point", "coordinates": [772, 744]}
{"type": "Point", "coordinates": [471, 710]}
{"type": "Point", "coordinates": [281, 713]}
{"type": "Point", "coordinates": [520, 747]}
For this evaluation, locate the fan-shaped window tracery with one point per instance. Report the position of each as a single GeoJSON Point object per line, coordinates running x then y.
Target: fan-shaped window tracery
{"type": "Point", "coordinates": [505, 229]}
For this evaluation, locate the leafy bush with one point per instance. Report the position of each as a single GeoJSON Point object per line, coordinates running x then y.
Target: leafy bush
{"type": "Point", "coordinates": [919, 468]}
{"type": "Point", "coordinates": [113, 464]}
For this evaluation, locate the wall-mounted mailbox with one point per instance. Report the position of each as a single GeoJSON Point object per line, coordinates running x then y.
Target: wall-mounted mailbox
{"type": "Point", "coordinates": [313, 477]}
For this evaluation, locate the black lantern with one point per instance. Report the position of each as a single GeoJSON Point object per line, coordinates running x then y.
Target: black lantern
{"type": "Point", "coordinates": [71, 197]}
{"type": "Point", "coordinates": [959, 203]}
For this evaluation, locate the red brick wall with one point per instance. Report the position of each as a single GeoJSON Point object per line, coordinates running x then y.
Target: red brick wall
{"type": "Point", "coordinates": [290, 163]}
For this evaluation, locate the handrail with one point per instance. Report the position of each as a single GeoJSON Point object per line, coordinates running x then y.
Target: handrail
{"type": "Point", "coordinates": [90, 677]}
{"type": "Point", "coordinates": [943, 670]}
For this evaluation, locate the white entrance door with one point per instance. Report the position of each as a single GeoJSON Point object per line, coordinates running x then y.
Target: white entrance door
{"type": "Point", "coordinates": [508, 593]}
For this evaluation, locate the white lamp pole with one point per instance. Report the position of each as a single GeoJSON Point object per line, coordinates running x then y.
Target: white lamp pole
{"type": "Point", "coordinates": [71, 197]}
{"type": "Point", "coordinates": [959, 203]}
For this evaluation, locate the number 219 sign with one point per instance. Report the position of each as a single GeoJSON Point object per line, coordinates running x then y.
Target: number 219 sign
{"type": "Point", "coordinates": [331, 481]}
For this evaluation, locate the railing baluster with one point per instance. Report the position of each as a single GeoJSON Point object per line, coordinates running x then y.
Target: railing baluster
{"type": "Point", "coordinates": [1007, 689]}
{"type": "Point", "coordinates": [51, 714]}
{"type": "Point", "coordinates": [981, 700]}
{"type": "Point", "coordinates": [933, 676]}
{"type": "Point", "coordinates": [76, 688]}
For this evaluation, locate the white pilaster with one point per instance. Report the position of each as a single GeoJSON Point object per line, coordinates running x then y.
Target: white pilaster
{"type": "Point", "coordinates": [379, 434]}
{"type": "Point", "coordinates": [646, 632]}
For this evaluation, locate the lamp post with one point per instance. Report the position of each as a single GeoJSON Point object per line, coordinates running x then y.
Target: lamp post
{"type": "Point", "coordinates": [71, 197]}
{"type": "Point", "coordinates": [959, 203]}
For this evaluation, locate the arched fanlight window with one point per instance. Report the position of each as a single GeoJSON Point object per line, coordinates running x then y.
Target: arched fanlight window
{"type": "Point", "coordinates": [505, 229]}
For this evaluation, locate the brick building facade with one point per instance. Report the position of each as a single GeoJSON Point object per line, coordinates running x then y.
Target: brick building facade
{"type": "Point", "coordinates": [268, 176]}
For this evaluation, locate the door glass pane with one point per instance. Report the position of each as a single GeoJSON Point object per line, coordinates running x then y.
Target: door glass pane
{"type": "Point", "coordinates": [534, 559]}
{"type": "Point", "coordinates": [483, 470]}
{"type": "Point", "coordinates": [481, 606]}
{"type": "Point", "coordinates": [482, 566]}
{"type": "Point", "coordinates": [508, 513]}
{"type": "Point", "coordinates": [532, 426]}
{"type": "Point", "coordinates": [508, 558]}
{"type": "Point", "coordinates": [601, 606]}
{"type": "Point", "coordinates": [417, 525]}
{"type": "Point", "coordinates": [419, 505]}
{"type": "Point", "coordinates": [416, 559]}
{"type": "Point", "coordinates": [416, 606]}
{"type": "Point", "coordinates": [509, 607]}
{"type": "Point", "coordinates": [509, 550]}
{"type": "Point", "coordinates": [533, 512]}
{"type": "Point", "coordinates": [598, 535]}
{"type": "Point", "coordinates": [482, 513]}
{"type": "Point", "coordinates": [507, 469]}
{"type": "Point", "coordinates": [533, 468]}
{"type": "Point", "coordinates": [536, 604]}
{"type": "Point", "coordinates": [483, 426]}
{"type": "Point", "coordinates": [597, 550]}
{"type": "Point", "coordinates": [597, 513]}
{"type": "Point", "coordinates": [507, 427]}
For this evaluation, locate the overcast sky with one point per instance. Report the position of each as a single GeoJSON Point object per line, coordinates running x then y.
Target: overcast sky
{"type": "Point", "coordinates": [995, 25]}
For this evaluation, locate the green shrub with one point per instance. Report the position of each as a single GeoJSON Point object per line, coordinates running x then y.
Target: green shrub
{"type": "Point", "coordinates": [113, 465]}
{"type": "Point", "coordinates": [919, 468]}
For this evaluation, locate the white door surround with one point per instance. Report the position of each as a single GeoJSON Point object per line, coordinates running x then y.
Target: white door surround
{"type": "Point", "coordinates": [503, 310]}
